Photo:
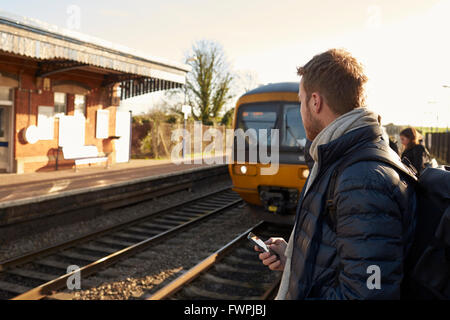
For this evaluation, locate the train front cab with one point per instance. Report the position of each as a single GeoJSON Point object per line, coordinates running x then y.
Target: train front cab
{"type": "Point", "coordinates": [272, 197]}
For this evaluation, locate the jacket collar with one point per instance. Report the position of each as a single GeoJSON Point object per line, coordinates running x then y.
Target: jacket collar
{"type": "Point", "coordinates": [334, 150]}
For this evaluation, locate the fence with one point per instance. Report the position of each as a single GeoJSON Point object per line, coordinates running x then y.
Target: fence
{"type": "Point", "coordinates": [153, 140]}
{"type": "Point", "coordinates": [438, 143]}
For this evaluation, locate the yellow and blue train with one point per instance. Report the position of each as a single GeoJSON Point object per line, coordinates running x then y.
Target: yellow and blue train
{"type": "Point", "coordinates": [271, 197]}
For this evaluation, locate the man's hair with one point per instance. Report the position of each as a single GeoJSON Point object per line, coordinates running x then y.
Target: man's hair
{"type": "Point", "coordinates": [338, 77]}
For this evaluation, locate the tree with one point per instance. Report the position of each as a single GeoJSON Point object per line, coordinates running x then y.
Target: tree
{"type": "Point", "coordinates": [208, 84]}
{"type": "Point", "coordinates": [227, 118]}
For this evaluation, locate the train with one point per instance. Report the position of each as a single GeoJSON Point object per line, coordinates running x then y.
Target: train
{"type": "Point", "coordinates": [270, 197]}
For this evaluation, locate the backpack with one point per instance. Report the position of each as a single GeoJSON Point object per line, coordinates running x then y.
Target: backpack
{"type": "Point", "coordinates": [427, 264]}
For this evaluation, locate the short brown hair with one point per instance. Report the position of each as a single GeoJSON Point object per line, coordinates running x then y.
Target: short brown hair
{"type": "Point", "coordinates": [338, 76]}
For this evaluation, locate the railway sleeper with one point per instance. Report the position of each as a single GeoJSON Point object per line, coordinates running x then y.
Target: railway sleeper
{"type": "Point", "coordinates": [13, 288]}
{"type": "Point", "coordinates": [225, 267]}
{"type": "Point", "coordinates": [193, 292]}
{"type": "Point", "coordinates": [115, 242]}
{"type": "Point", "coordinates": [230, 282]}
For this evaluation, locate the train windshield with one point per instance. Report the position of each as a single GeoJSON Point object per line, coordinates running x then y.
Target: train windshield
{"type": "Point", "coordinates": [293, 131]}
{"type": "Point", "coordinates": [283, 116]}
{"type": "Point", "coordinates": [257, 117]}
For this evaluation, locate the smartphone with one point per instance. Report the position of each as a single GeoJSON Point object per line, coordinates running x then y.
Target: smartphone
{"type": "Point", "coordinates": [259, 243]}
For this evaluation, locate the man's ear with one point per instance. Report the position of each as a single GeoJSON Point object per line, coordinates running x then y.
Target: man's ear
{"type": "Point", "coordinates": [317, 102]}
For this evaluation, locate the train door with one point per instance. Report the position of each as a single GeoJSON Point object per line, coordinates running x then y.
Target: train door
{"type": "Point", "coordinates": [123, 130]}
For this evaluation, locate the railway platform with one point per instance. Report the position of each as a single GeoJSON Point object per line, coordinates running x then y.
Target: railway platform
{"type": "Point", "coordinates": [33, 187]}
{"type": "Point", "coordinates": [26, 197]}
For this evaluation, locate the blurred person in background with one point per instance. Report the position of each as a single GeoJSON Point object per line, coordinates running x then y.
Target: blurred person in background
{"type": "Point", "coordinates": [387, 138]}
{"type": "Point", "coordinates": [414, 151]}
{"type": "Point", "coordinates": [393, 145]}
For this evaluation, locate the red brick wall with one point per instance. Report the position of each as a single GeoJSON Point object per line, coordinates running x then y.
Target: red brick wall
{"type": "Point", "coordinates": [40, 156]}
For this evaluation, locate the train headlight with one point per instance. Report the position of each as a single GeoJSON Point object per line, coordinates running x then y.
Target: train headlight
{"type": "Point", "coordinates": [303, 173]}
{"type": "Point", "coordinates": [244, 170]}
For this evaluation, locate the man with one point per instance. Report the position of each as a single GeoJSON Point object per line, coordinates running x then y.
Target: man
{"type": "Point", "coordinates": [374, 218]}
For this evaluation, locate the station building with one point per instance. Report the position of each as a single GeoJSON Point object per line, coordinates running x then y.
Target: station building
{"type": "Point", "coordinates": [60, 91]}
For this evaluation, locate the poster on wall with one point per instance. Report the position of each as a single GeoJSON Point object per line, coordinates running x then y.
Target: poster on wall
{"type": "Point", "coordinates": [102, 127]}
{"type": "Point", "coordinates": [45, 123]}
{"type": "Point", "coordinates": [71, 131]}
{"type": "Point", "coordinates": [123, 130]}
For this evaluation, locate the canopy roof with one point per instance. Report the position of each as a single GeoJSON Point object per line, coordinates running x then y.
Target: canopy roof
{"type": "Point", "coordinates": [61, 49]}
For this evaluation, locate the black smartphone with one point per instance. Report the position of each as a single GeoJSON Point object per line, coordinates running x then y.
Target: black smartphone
{"type": "Point", "coordinates": [260, 243]}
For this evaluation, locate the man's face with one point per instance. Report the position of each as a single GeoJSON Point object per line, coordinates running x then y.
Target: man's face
{"type": "Point", "coordinates": [310, 122]}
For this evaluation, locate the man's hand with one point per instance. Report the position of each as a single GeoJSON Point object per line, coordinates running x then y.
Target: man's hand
{"type": "Point", "coordinates": [277, 245]}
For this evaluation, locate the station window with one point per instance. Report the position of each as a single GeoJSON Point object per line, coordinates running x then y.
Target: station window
{"type": "Point", "coordinates": [5, 94]}
{"type": "Point", "coordinates": [60, 104]}
{"type": "Point", "coordinates": [80, 105]}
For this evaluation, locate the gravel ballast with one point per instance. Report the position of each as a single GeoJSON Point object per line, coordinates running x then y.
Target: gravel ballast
{"type": "Point", "coordinates": [36, 241]}
{"type": "Point", "coordinates": [143, 274]}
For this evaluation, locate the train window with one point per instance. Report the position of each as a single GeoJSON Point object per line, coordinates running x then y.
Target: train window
{"type": "Point", "coordinates": [294, 132]}
{"type": "Point", "coordinates": [258, 117]}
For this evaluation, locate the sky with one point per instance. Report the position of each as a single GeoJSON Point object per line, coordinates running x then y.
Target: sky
{"type": "Point", "coordinates": [403, 44]}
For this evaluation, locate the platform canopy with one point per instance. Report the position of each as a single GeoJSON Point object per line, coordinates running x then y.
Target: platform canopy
{"type": "Point", "coordinates": [58, 50]}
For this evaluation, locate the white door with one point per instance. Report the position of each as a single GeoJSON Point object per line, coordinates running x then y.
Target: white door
{"type": "Point", "coordinates": [123, 130]}
{"type": "Point", "coordinates": [5, 144]}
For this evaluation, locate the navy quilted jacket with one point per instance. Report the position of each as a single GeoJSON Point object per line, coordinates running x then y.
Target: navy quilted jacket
{"type": "Point", "coordinates": [374, 225]}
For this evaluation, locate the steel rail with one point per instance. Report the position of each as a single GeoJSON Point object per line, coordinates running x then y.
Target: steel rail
{"type": "Point", "coordinates": [13, 262]}
{"type": "Point", "coordinates": [47, 288]}
{"type": "Point", "coordinates": [199, 269]}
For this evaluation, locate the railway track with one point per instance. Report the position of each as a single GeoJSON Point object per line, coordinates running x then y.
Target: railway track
{"type": "Point", "coordinates": [28, 211]}
{"type": "Point", "coordinates": [234, 272]}
{"type": "Point", "coordinates": [39, 274]}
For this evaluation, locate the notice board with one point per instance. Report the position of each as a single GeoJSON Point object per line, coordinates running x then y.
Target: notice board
{"type": "Point", "coordinates": [45, 123]}
{"type": "Point", "coordinates": [72, 131]}
{"type": "Point", "coordinates": [102, 125]}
